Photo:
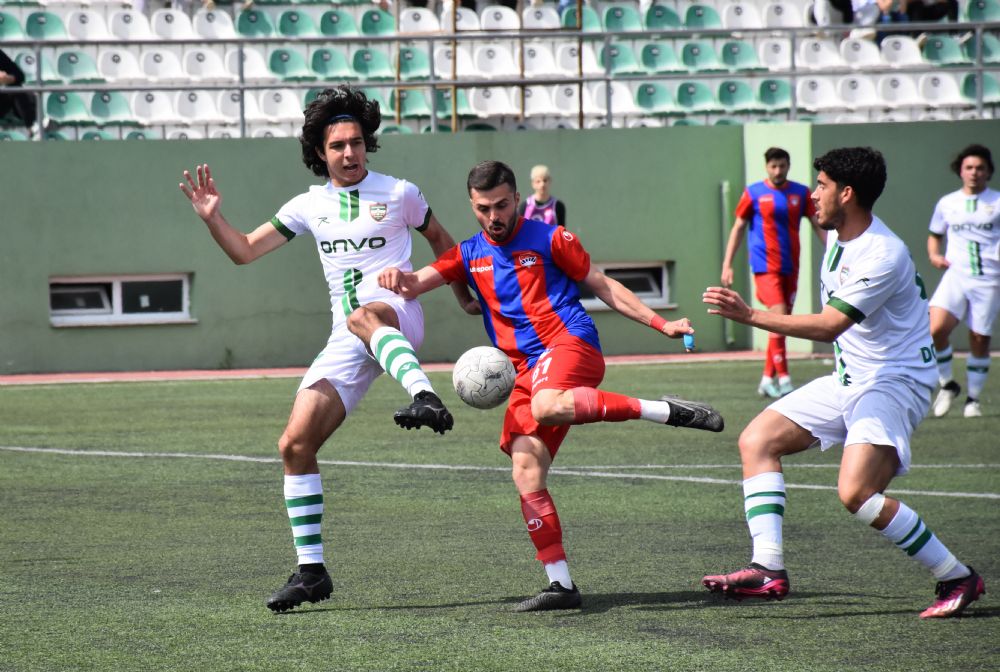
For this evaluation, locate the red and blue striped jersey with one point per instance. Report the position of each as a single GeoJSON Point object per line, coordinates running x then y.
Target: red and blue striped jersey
{"type": "Point", "coordinates": [774, 214]}
{"type": "Point", "coordinates": [526, 286]}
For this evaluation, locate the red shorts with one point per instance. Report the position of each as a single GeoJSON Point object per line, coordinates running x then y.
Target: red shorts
{"type": "Point", "coordinates": [569, 362]}
{"type": "Point", "coordinates": [775, 289]}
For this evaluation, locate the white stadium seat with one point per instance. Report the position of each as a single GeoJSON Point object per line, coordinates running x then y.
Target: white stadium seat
{"type": "Point", "coordinates": [197, 108]}
{"type": "Point", "coordinates": [775, 53]}
{"type": "Point", "coordinates": [817, 94]}
{"type": "Point", "coordinates": [622, 98]}
{"type": "Point", "coordinates": [444, 57]}
{"type": "Point", "coordinates": [741, 15]}
{"type": "Point", "coordinates": [901, 51]}
{"type": "Point", "coordinates": [537, 101]}
{"type": "Point", "coordinates": [940, 89]}
{"type": "Point", "coordinates": [569, 63]}
{"type": "Point", "coordinates": [782, 15]}
{"type": "Point", "coordinates": [467, 19]}
{"type": "Point", "coordinates": [229, 107]}
{"type": "Point", "coordinates": [492, 101]}
{"type": "Point", "coordinates": [281, 105]}
{"type": "Point", "coordinates": [899, 90]}
{"type": "Point", "coordinates": [171, 24]}
{"type": "Point", "coordinates": [86, 24]}
{"type": "Point", "coordinates": [254, 66]}
{"type": "Point", "coordinates": [495, 61]}
{"type": "Point", "coordinates": [154, 108]}
{"type": "Point", "coordinates": [119, 65]}
{"type": "Point", "coordinates": [213, 24]}
{"type": "Point", "coordinates": [819, 54]}
{"type": "Point", "coordinates": [860, 53]}
{"type": "Point", "coordinates": [162, 65]}
{"type": "Point", "coordinates": [204, 65]}
{"type": "Point", "coordinates": [543, 17]}
{"type": "Point", "coordinates": [567, 97]}
{"type": "Point", "coordinates": [499, 17]}
{"type": "Point", "coordinates": [418, 20]}
{"type": "Point", "coordinates": [539, 61]}
{"type": "Point", "coordinates": [858, 92]}
{"type": "Point", "coordinates": [130, 25]}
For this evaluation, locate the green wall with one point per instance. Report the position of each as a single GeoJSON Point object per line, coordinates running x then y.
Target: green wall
{"type": "Point", "coordinates": [632, 195]}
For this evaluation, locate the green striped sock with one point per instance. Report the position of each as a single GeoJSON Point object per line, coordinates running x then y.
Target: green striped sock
{"type": "Point", "coordinates": [976, 371]}
{"type": "Point", "coordinates": [764, 504]}
{"type": "Point", "coordinates": [304, 501]}
{"type": "Point", "coordinates": [909, 533]}
{"type": "Point", "coordinates": [395, 354]}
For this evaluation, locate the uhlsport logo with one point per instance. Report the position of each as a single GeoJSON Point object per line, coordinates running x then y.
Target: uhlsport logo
{"type": "Point", "coordinates": [378, 211]}
{"type": "Point", "coordinates": [526, 259]}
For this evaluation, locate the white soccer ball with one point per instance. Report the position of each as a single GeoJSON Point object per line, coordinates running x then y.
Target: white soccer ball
{"type": "Point", "coordinates": [483, 377]}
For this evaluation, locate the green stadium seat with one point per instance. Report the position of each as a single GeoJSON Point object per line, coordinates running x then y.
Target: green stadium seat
{"type": "Point", "coordinates": [700, 56]}
{"type": "Point", "coordinates": [29, 65]}
{"type": "Point", "coordinates": [662, 17]}
{"type": "Point", "coordinates": [338, 23]}
{"type": "Point", "coordinates": [395, 129]}
{"type": "Point", "coordinates": [414, 64]}
{"type": "Point", "coordinates": [775, 95]}
{"type": "Point", "coordinates": [386, 104]}
{"type": "Point", "coordinates": [10, 28]}
{"type": "Point", "coordinates": [590, 21]}
{"type": "Point", "coordinates": [696, 97]}
{"type": "Point", "coordinates": [111, 108]}
{"type": "Point", "coordinates": [944, 50]}
{"type": "Point", "coordinates": [740, 56]}
{"type": "Point", "coordinates": [68, 109]}
{"type": "Point", "coordinates": [655, 99]}
{"type": "Point", "coordinates": [462, 107]}
{"type": "Point", "coordinates": [441, 128]}
{"type": "Point", "coordinates": [991, 88]}
{"type": "Point", "coordinates": [372, 64]}
{"type": "Point", "coordinates": [297, 23]}
{"type": "Point", "coordinates": [10, 135]}
{"type": "Point", "coordinates": [254, 23]}
{"type": "Point", "coordinates": [659, 58]}
{"type": "Point", "coordinates": [983, 10]}
{"type": "Point", "coordinates": [991, 49]}
{"type": "Point", "coordinates": [687, 121]}
{"type": "Point", "coordinates": [331, 64]}
{"type": "Point", "coordinates": [702, 16]}
{"type": "Point", "coordinates": [290, 65]}
{"type": "Point", "coordinates": [736, 97]}
{"type": "Point", "coordinates": [618, 58]}
{"type": "Point", "coordinates": [78, 67]}
{"type": "Point", "coordinates": [411, 103]}
{"type": "Point", "coordinates": [95, 134]}
{"type": "Point", "coordinates": [143, 134]}
{"type": "Point", "coordinates": [45, 26]}
{"type": "Point", "coordinates": [622, 18]}
{"type": "Point", "coordinates": [56, 134]}
{"type": "Point", "coordinates": [376, 22]}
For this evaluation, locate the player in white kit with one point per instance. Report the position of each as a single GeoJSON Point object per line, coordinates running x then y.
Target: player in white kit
{"type": "Point", "coordinates": [969, 290]}
{"type": "Point", "coordinates": [361, 221]}
{"type": "Point", "coordinates": [875, 314]}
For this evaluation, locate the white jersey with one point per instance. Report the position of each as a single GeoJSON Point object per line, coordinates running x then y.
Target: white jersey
{"type": "Point", "coordinates": [359, 231]}
{"type": "Point", "coordinates": [972, 224]}
{"type": "Point", "coordinates": [873, 280]}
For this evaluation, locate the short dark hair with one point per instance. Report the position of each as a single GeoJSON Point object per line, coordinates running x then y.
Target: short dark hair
{"type": "Point", "coordinates": [331, 106]}
{"type": "Point", "coordinates": [488, 175]}
{"type": "Point", "coordinates": [972, 150]}
{"type": "Point", "coordinates": [776, 154]}
{"type": "Point", "coordinates": [861, 168]}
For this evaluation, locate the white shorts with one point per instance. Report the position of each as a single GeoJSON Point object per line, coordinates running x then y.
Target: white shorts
{"type": "Point", "coordinates": [345, 361]}
{"type": "Point", "coordinates": [974, 301]}
{"type": "Point", "coordinates": [883, 412]}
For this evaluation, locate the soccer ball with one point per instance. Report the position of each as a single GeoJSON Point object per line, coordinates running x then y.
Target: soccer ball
{"type": "Point", "coordinates": [483, 377]}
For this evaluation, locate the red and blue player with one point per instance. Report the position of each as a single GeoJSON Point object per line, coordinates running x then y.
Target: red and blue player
{"type": "Point", "coordinates": [525, 273]}
{"type": "Point", "coordinates": [770, 210]}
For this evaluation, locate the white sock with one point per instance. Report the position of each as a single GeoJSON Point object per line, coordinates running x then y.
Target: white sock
{"type": "Point", "coordinates": [766, 380]}
{"type": "Point", "coordinates": [944, 365]}
{"type": "Point", "coordinates": [559, 571]}
{"type": "Point", "coordinates": [909, 533]}
{"type": "Point", "coordinates": [304, 501]}
{"type": "Point", "coordinates": [764, 504]}
{"type": "Point", "coordinates": [396, 355]}
{"type": "Point", "coordinates": [654, 411]}
{"type": "Point", "coordinates": [784, 380]}
{"type": "Point", "coordinates": [976, 370]}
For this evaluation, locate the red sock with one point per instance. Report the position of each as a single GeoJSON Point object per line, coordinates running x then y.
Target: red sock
{"type": "Point", "coordinates": [543, 526]}
{"type": "Point", "coordinates": [769, 359]}
{"type": "Point", "coordinates": [776, 350]}
{"type": "Point", "coordinates": [593, 405]}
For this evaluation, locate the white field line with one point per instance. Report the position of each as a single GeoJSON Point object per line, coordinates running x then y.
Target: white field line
{"type": "Point", "coordinates": [593, 473]}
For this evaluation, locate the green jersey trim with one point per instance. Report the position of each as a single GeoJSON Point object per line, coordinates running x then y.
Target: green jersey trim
{"type": "Point", "coordinates": [847, 309]}
{"type": "Point", "coordinates": [427, 221]}
{"type": "Point", "coordinates": [282, 229]}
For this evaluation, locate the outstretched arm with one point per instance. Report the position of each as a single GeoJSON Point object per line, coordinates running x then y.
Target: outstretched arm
{"type": "Point", "coordinates": [410, 285]}
{"type": "Point", "coordinates": [441, 241]}
{"type": "Point", "coordinates": [620, 298]}
{"type": "Point", "coordinates": [825, 326]}
{"type": "Point", "coordinates": [207, 201]}
{"type": "Point", "coordinates": [735, 240]}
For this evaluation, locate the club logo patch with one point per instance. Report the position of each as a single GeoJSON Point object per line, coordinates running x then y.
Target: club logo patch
{"type": "Point", "coordinates": [793, 201]}
{"type": "Point", "coordinates": [844, 272]}
{"type": "Point", "coordinates": [526, 259]}
{"type": "Point", "coordinates": [378, 211]}
{"type": "Point", "coordinates": [567, 235]}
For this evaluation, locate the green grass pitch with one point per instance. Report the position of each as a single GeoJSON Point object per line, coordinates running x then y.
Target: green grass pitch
{"type": "Point", "coordinates": [157, 554]}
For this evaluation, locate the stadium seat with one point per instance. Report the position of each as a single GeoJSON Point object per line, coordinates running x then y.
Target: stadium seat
{"type": "Point", "coordinates": [184, 134]}
{"type": "Point", "coordinates": [901, 51]}
{"type": "Point", "coordinates": [88, 25]}
{"type": "Point", "coordinates": [570, 58]}
{"type": "Point", "coordinates": [395, 129]}
{"type": "Point", "coordinates": [143, 134]}
{"type": "Point", "coordinates": [944, 50]}
{"type": "Point", "coordinates": [254, 23]}
{"type": "Point", "coordinates": [567, 97]}
{"type": "Point", "coordinates": [991, 49]}
{"type": "Point", "coordinates": [213, 24]}
{"type": "Point", "coordinates": [414, 63]}
{"type": "Point", "coordinates": [659, 58]}
{"type": "Point", "coordinates": [338, 23]}
{"type": "Point", "coordinates": [894, 117]}
{"type": "Point", "coordinates": [492, 101]}
{"type": "Point", "coordinates": [538, 60]}
{"type": "Point", "coordinates": [741, 16]}
{"type": "Point", "coordinates": [898, 90]}
{"type": "Point", "coordinates": [475, 126]}
{"type": "Point", "coordinates": [295, 23]}
{"type": "Point", "coordinates": [537, 101]}
{"type": "Point", "coordinates": [57, 134]}
{"type": "Point", "coordinates": [618, 58]}
{"type": "Point", "coordinates": [99, 135]}
{"type": "Point", "coordinates": [661, 16]}
{"type": "Point", "coordinates": [130, 26]}
{"type": "Point", "coordinates": [203, 64]}
{"type": "Point", "coordinates": [499, 17]}
{"type": "Point", "coordinates": [782, 15]}
{"type": "Point", "coordinates": [589, 22]}
{"type": "Point", "coordinates": [119, 65]}
{"type": "Point", "coordinates": [376, 22]}
{"type": "Point", "coordinates": [67, 108]}
{"type": "Point", "coordinates": [655, 98]}
{"type": "Point", "coordinates": [703, 17]}
{"type": "Point", "coordinates": [940, 89]}
{"type": "Point", "coordinates": [45, 26]}
{"type": "Point", "coordinates": [418, 20]}
{"type": "Point", "coordinates": [385, 103]}
{"type": "Point", "coordinates": [10, 135]}
{"type": "Point", "coordinates": [197, 108]}
{"type": "Point", "coordinates": [290, 65]}
{"type": "Point", "coordinates": [495, 61]}
{"type": "Point", "coordinates": [444, 97]}
{"type": "Point", "coordinates": [622, 101]}
{"type": "Point", "coordinates": [228, 104]}
{"type": "Point", "coordinates": [543, 17]}
{"type": "Point", "coordinates": [29, 64]}
{"type": "Point", "coordinates": [411, 103]}
{"type": "Point", "coordinates": [448, 66]}
{"type": "Point", "coordinates": [269, 131]}
{"type": "Point", "coordinates": [695, 97]}
{"type": "Point", "coordinates": [775, 54]}
{"type": "Point", "coordinates": [859, 53]}
{"type": "Point", "coordinates": [991, 88]}
{"type": "Point", "coordinates": [736, 97]}
{"type": "Point", "coordinates": [700, 56]}
{"type": "Point", "coordinates": [858, 92]}
{"type": "Point", "coordinates": [775, 95]}
{"type": "Point", "coordinates": [817, 94]}
{"type": "Point", "coordinates": [467, 19]}
{"type": "Point", "coordinates": [622, 18]}
{"type": "Point", "coordinates": [162, 66]}
{"type": "Point", "coordinates": [77, 67]}
{"type": "Point", "coordinates": [254, 66]}
{"type": "Point", "coordinates": [819, 54]}
{"type": "Point", "coordinates": [372, 64]}
{"type": "Point", "coordinates": [739, 56]}
{"type": "Point", "coordinates": [332, 65]}
{"type": "Point", "coordinates": [171, 24]}
{"type": "Point", "coordinates": [281, 105]}
{"type": "Point", "coordinates": [11, 29]}
{"type": "Point", "coordinates": [979, 11]}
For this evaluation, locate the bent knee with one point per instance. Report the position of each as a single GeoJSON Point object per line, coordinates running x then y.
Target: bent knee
{"type": "Point", "coordinates": [853, 496]}
{"type": "Point", "coordinates": [358, 320]}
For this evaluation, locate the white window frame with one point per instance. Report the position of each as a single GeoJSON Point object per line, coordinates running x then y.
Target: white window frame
{"type": "Point", "coordinates": [115, 316]}
{"type": "Point", "coordinates": [659, 300]}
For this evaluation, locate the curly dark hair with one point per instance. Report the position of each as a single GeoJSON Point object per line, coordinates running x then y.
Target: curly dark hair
{"type": "Point", "coordinates": [861, 168]}
{"type": "Point", "coordinates": [972, 150]}
{"type": "Point", "coordinates": [490, 175]}
{"type": "Point", "coordinates": [342, 103]}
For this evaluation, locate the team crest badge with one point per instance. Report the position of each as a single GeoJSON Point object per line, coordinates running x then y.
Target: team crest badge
{"type": "Point", "coordinates": [526, 259]}
{"type": "Point", "coordinates": [844, 272]}
{"type": "Point", "coordinates": [378, 211]}
{"type": "Point", "coordinates": [567, 235]}
{"type": "Point", "coordinates": [794, 201]}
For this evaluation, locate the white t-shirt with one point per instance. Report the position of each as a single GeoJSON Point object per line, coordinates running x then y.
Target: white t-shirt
{"type": "Point", "coordinates": [873, 280]}
{"type": "Point", "coordinates": [359, 230]}
{"type": "Point", "coordinates": [972, 225]}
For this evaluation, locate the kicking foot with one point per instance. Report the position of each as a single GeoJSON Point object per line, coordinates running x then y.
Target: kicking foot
{"type": "Point", "coordinates": [693, 414]}
{"type": "Point", "coordinates": [754, 581]}
{"type": "Point", "coordinates": [954, 596]}
{"type": "Point", "coordinates": [427, 410]}
{"type": "Point", "coordinates": [553, 597]}
{"type": "Point", "coordinates": [301, 587]}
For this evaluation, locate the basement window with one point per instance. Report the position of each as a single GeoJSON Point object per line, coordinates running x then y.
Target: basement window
{"type": "Point", "coordinates": [649, 281]}
{"type": "Point", "coordinates": [100, 301]}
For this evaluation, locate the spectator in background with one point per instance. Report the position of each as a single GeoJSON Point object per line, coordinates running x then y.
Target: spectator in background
{"type": "Point", "coordinates": [18, 106]}
{"type": "Point", "coordinates": [542, 205]}
{"type": "Point", "coordinates": [932, 10]}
